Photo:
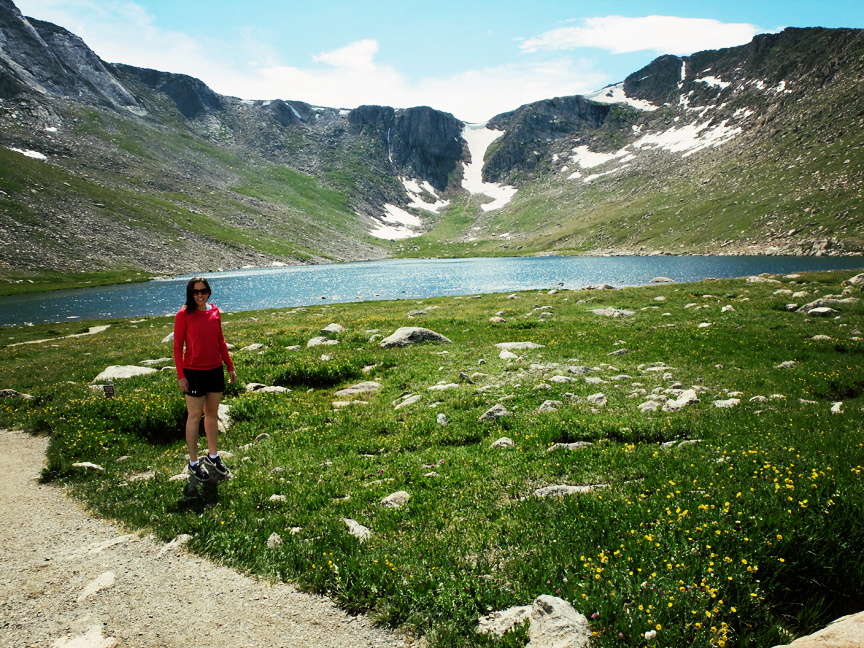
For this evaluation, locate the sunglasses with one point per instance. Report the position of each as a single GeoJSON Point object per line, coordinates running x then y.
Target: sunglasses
{"type": "Point", "coordinates": [200, 291]}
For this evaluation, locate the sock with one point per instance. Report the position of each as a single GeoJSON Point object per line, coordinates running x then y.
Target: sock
{"type": "Point", "coordinates": [193, 463]}
{"type": "Point", "coordinates": [214, 457]}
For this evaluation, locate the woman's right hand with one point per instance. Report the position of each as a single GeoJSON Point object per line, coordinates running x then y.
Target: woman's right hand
{"type": "Point", "coordinates": [183, 384]}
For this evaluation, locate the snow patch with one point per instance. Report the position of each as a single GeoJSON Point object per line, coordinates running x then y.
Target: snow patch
{"type": "Point", "coordinates": [594, 176]}
{"type": "Point", "coordinates": [343, 112]}
{"type": "Point", "coordinates": [478, 138]}
{"type": "Point", "coordinates": [781, 87]}
{"type": "Point", "coordinates": [714, 81]}
{"type": "Point", "coordinates": [588, 159]}
{"type": "Point", "coordinates": [615, 94]}
{"type": "Point", "coordinates": [574, 175]}
{"type": "Point", "coordinates": [742, 113]}
{"type": "Point", "coordinates": [688, 138]}
{"type": "Point", "coordinates": [415, 192]}
{"type": "Point", "coordinates": [31, 154]}
{"type": "Point", "coordinates": [51, 129]}
{"type": "Point", "coordinates": [396, 224]}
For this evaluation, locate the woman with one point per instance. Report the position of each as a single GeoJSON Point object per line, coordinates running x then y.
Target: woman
{"type": "Point", "coordinates": [199, 372]}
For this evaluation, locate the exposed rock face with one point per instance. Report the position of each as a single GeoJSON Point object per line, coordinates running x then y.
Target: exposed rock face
{"type": "Point", "coordinates": [421, 140]}
{"type": "Point", "coordinates": [533, 127]}
{"type": "Point", "coordinates": [51, 60]}
{"type": "Point", "coordinates": [191, 96]}
{"type": "Point", "coordinates": [845, 632]}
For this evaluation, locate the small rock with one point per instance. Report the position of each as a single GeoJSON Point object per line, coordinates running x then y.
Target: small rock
{"type": "Point", "coordinates": [262, 437]}
{"type": "Point", "coordinates": [88, 466]}
{"type": "Point", "coordinates": [408, 401]}
{"type": "Point", "coordinates": [598, 399]}
{"type": "Point", "coordinates": [560, 490]}
{"type": "Point", "coordinates": [123, 458]}
{"type": "Point", "coordinates": [662, 280]}
{"type": "Point", "coordinates": [594, 380]}
{"type": "Point", "coordinates": [181, 477]}
{"type": "Point", "coordinates": [320, 341]}
{"type": "Point", "coordinates": [649, 406]}
{"type": "Point", "coordinates": [727, 309]}
{"type": "Point", "coordinates": [253, 347]}
{"type": "Point", "coordinates": [550, 406]}
{"type": "Point", "coordinates": [561, 379]}
{"type": "Point", "coordinates": [494, 412]}
{"type": "Point", "coordinates": [115, 372]}
{"type": "Point", "coordinates": [356, 529]}
{"type": "Point", "coordinates": [333, 328]}
{"type": "Point", "coordinates": [758, 399]}
{"type": "Point", "coordinates": [619, 352]}
{"type": "Point", "coordinates": [789, 364]}
{"type": "Point", "coordinates": [395, 500]}
{"type": "Point", "coordinates": [578, 445]}
{"type": "Point", "coordinates": [359, 388]}
{"type": "Point", "coordinates": [726, 404]}
{"type": "Point", "coordinates": [443, 386]}
{"type": "Point", "coordinates": [503, 442]}
{"type": "Point", "coordinates": [497, 320]}
{"type": "Point", "coordinates": [837, 408]}
{"type": "Point", "coordinates": [274, 541]}
{"type": "Point", "coordinates": [441, 419]}
{"type": "Point", "coordinates": [821, 338]}
{"type": "Point", "coordinates": [278, 498]}
{"type": "Point", "coordinates": [612, 312]}
{"type": "Point", "coordinates": [507, 355]}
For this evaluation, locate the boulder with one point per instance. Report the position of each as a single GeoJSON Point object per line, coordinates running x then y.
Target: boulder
{"type": "Point", "coordinates": [148, 363]}
{"type": "Point", "coordinates": [556, 624]}
{"type": "Point", "coordinates": [662, 280]}
{"type": "Point", "coordinates": [507, 355]}
{"type": "Point", "coordinates": [503, 620]}
{"type": "Point", "coordinates": [857, 280]}
{"type": "Point", "coordinates": [274, 389]}
{"type": "Point", "coordinates": [395, 500]}
{"type": "Point", "coordinates": [820, 312]}
{"type": "Point", "coordinates": [168, 338]}
{"type": "Point", "coordinates": [509, 346]}
{"type": "Point", "coordinates": [359, 388]}
{"type": "Point", "coordinates": [333, 328]}
{"type": "Point", "coordinates": [845, 632]}
{"type": "Point", "coordinates": [320, 341]}
{"type": "Point", "coordinates": [602, 286]}
{"type": "Point", "coordinates": [411, 335]}
{"type": "Point", "coordinates": [122, 371]}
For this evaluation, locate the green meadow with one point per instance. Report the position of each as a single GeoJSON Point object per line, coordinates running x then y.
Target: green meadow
{"type": "Point", "coordinates": [711, 526]}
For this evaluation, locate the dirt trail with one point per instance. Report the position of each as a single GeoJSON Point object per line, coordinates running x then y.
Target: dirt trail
{"type": "Point", "coordinates": [70, 579]}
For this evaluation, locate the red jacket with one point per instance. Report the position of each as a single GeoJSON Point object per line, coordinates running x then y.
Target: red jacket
{"type": "Point", "coordinates": [201, 332]}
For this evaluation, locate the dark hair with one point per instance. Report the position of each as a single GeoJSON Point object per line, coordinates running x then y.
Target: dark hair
{"type": "Point", "coordinates": [191, 306]}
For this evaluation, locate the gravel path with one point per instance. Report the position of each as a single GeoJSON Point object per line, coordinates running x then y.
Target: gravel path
{"type": "Point", "coordinates": [70, 579]}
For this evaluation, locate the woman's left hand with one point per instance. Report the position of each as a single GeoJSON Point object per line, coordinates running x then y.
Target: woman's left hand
{"type": "Point", "coordinates": [232, 377]}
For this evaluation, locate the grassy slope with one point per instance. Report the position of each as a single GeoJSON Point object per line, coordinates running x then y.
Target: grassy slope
{"type": "Point", "coordinates": [198, 195]}
{"type": "Point", "coordinates": [744, 538]}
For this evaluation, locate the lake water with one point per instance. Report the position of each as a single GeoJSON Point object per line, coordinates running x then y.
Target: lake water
{"type": "Point", "coordinates": [241, 290]}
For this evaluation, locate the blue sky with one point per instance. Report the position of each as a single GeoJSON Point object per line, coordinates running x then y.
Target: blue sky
{"type": "Point", "coordinates": [474, 58]}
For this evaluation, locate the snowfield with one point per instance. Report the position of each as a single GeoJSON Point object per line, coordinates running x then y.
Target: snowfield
{"type": "Point", "coordinates": [479, 138]}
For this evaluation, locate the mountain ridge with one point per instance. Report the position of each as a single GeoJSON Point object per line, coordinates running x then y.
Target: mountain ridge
{"type": "Point", "coordinates": [153, 171]}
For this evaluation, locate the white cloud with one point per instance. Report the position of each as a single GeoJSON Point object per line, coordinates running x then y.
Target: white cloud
{"type": "Point", "coordinates": [356, 56]}
{"type": "Point", "coordinates": [661, 34]}
{"type": "Point", "coordinates": [121, 31]}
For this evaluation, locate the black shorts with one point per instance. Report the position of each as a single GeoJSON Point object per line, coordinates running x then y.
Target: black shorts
{"type": "Point", "coordinates": [205, 381]}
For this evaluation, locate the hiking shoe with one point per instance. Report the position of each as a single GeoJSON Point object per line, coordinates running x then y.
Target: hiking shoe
{"type": "Point", "coordinates": [199, 472]}
{"type": "Point", "coordinates": [216, 464]}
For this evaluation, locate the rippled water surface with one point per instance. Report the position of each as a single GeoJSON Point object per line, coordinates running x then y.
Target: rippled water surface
{"type": "Point", "coordinates": [240, 290]}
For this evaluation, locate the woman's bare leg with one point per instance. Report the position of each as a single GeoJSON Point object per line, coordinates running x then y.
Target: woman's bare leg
{"type": "Point", "coordinates": [211, 420]}
{"type": "Point", "coordinates": [195, 407]}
